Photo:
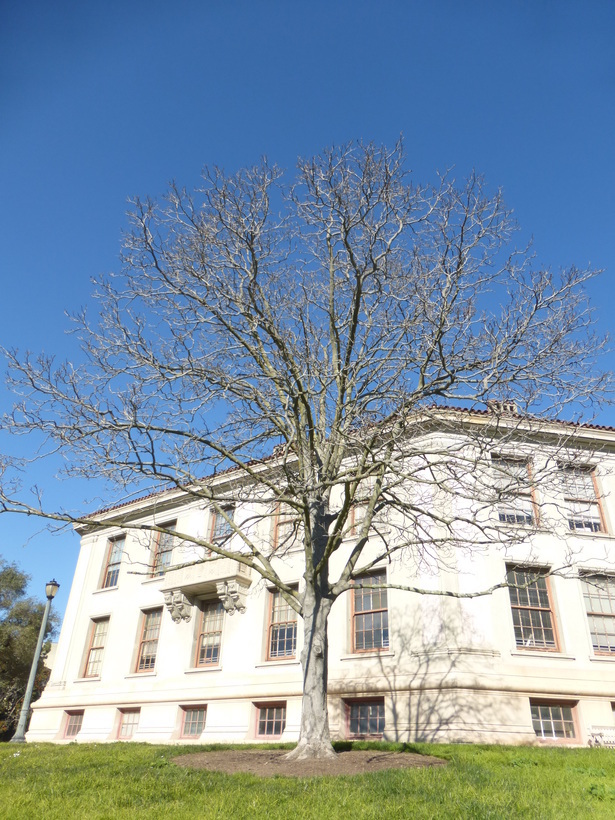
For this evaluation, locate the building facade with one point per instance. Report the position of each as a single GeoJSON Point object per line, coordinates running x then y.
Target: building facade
{"type": "Point", "coordinates": [163, 642]}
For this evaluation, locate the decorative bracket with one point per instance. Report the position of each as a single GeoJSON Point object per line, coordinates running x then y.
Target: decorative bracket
{"type": "Point", "coordinates": [178, 605]}
{"type": "Point", "coordinates": [233, 596]}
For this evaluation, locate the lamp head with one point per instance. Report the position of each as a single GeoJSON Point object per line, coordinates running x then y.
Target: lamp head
{"type": "Point", "coordinates": [51, 588]}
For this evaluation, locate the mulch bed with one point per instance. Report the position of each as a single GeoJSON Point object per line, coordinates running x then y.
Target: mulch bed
{"type": "Point", "coordinates": [272, 763]}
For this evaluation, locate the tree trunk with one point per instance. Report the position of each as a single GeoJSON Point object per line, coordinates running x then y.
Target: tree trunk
{"type": "Point", "coordinates": [314, 739]}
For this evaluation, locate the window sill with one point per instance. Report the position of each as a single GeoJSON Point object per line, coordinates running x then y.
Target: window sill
{"type": "Point", "coordinates": [581, 534]}
{"type": "Point", "coordinates": [602, 658]}
{"type": "Point", "coordinates": [544, 653]}
{"type": "Point", "coordinates": [198, 670]}
{"type": "Point", "coordinates": [382, 653]}
{"type": "Point", "coordinates": [87, 680]}
{"type": "Point", "coordinates": [153, 580]}
{"type": "Point", "coordinates": [105, 589]}
{"type": "Point", "coordinates": [141, 675]}
{"type": "Point", "coordinates": [285, 662]}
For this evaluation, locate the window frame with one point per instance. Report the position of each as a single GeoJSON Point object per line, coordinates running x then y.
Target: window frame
{"type": "Point", "coordinates": [215, 516]}
{"type": "Point", "coordinates": [356, 614]}
{"type": "Point", "coordinates": [185, 711]}
{"type": "Point", "coordinates": [281, 519]}
{"type": "Point", "coordinates": [268, 705]}
{"type": "Point", "coordinates": [68, 715]}
{"type": "Point", "coordinates": [92, 647]}
{"type": "Point", "coordinates": [349, 703]}
{"type": "Point", "coordinates": [594, 502]}
{"type": "Point", "coordinates": [216, 604]}
{"type": "Point", "coordinates": [513, 499]}
{"type": "Point", "coordinates": [557, 704]}
{"type": "Point", "coordinates": [273, 595]}
{"type": "Point", "coordinates": [123, 713]}
{"type": "Point", "coordinates": [537, 573]}
{"type": "Point", "coordinates": [163, 553]}
{"type": "Point", "coordinates": [142, 640]}
{"type": "Point", "coordinates": [599, 615]}
{"type": "Point", "coordinates": [111, 566]}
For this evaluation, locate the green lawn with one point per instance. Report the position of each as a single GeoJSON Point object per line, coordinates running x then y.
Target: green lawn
{"type": "Point", "coordinates": [133, 780]}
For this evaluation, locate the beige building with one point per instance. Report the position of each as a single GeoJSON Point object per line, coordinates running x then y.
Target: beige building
{"type": "Point", "coordinates": [164, 643]}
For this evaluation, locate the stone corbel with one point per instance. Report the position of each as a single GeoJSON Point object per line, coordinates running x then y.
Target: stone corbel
{"type": "Point", "coordinates": [178, 605]}
{"type": "Point", "coordinates": [233, 596]}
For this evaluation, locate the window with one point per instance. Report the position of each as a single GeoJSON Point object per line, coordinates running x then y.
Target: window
{"type": "Point", "coordinates": [581, 497]}
{"type": "Point", "coordinates": [220, 526]}
{"type": "Point", "coordinates": [129, 721]}
{"type": "Point", "coordinates": [193, 721]}
{"type": "Point", "coordinates": [531, 609]}
{"type": "Point", "coordinates": [370, 615]}
{"type": "Point", "coordinates": [285, 526]}
{"type": "Point", "coordinates": [365, 717]}
{"type": "Point", "coordinates": [599, 596]}
{"type": "Point", "coordinates": [282, 641]}
{"type": "Point", "coordinates": [96, 647]}
{"type": "Point", "coordinates": [148, 642]}
{"type": "Point", "coordinates": [163, 550]}
{"type": "Point", "coordinates": [271, 720]}
{"type": "Point", "coordinates": [210, 634]}
{"type": "Point", "coordinates": [552, 721]}
{"type": "Point", "coordinates": [73, 724]}
{"type": "Point", "coordinates": [513, 484]}
{"type": "Point", "coordinates": [112, 564]}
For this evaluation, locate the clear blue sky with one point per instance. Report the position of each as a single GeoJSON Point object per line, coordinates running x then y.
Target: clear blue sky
{"type": "Point", "coordinates": [100, 101]}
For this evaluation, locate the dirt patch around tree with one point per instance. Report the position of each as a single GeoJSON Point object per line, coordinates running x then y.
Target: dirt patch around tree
{"type": "Point", "coordinates": [272, 763]}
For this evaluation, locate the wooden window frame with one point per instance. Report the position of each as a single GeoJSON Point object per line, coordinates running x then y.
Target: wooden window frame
{"type": "Point", "coordinates": [509, 514]}
{"type": "Point", "coordinates": [216, 516]}
{"type": "Point", "coordinates": [349, 703]}
{"type": "Point", "coordinates": [187, 710]}
{"type": "Point", "coordinates": [68, 724]}
{"type": "Point", "coordinates": [557, 704]}
{"type": "Point", "coordinates": [163, 553]}
{"type": "Point", "coordinates": [535, 573]}
{"type": "Point", "coordinates": [201, 633]}
{"type": "Point", "coordinates": [600, 616]}
{"type": "Point", "coordinates": [131, 724]}
{"type": "Point", "coordinates": [280, 520]}
{"type": "Point", "coordinates": [594, 502]}
{"type": "Point", "coordinates": [274, 595]}
{"type": "Point", "coordinates": [357, 614]}
{"type": "Point", "coordinates": [268, 705]}
{"type": "Point", "coordinates": [143, 641]}
{"type": "Point", "coordinates": [95, 647]}
{"type": "Point", "coordinates": [112, 567]}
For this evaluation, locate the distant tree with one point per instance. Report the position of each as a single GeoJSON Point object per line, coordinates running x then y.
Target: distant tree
{"type": "Point", "coordinates": [328, 321]}
{"type": "Point", "coordinates": [20, 622]}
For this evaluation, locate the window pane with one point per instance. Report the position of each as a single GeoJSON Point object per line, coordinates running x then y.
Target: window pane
{"type": "Point", "coordinates": [149, 641]}
{"type": "Point", "coordinates": [282, 629]}
{"type": "Point", "coordinates": [599, 597]}
{"type": "Point", "coordinates": [271, 720]}
{"type": "Point", "coordinates": [210, 634]}
{"type": "Point", "coordinates": [114, 559]}
{"type": "Point", "coordinates": [366, 718]}
{"type": "Point", "coordinates": [531, 609]}
{"type": "Point", "coordinates": [73, 724]}
{"type": "Point", "coordinates": [371, 617]}
{"type": "Point", "coordinates": [194, 722]}
{"type": "Point", "coordinates": [97, 641]}
{"type": "Point", "coordinates": [129, 720]}
{"type": "Point", "coordinates": [552, 721]}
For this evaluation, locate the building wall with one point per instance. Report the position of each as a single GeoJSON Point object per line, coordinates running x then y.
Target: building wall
{"type": "Point", "coordinates": [452, 670]}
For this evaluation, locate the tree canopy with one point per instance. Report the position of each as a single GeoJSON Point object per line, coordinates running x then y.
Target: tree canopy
{"type": "Point", "coordinates": [325, 319]}
{"type": "Point", "coordinates": [20, 621]}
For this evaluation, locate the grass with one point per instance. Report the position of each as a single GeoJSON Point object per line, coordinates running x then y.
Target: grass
{"type": "Point", "coordinates": [136, 780]}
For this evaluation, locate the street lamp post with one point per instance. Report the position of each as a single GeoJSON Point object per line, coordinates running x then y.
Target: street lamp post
{"type": "Point", "coordinates": [20, 735]}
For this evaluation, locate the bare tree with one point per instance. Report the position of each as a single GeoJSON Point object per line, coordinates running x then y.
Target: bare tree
{"type": "Point", "coordinates": [309, 337]}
